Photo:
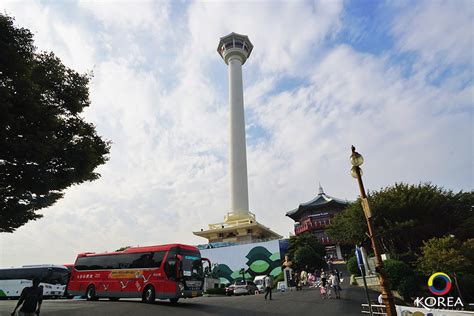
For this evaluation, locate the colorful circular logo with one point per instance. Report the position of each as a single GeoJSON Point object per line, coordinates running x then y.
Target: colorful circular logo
{"type": "Point", "coordinates": [443, 276]}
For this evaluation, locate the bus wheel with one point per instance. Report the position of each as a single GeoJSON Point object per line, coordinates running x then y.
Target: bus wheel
{"type": "Point", "coordinates": [149, 294]}
{"type": "Point", "coordinates": [174, 300]}
{"type": "Point", "coordinates": [90, 294]}
{"type": "Point", "coordinates": [114, 299]}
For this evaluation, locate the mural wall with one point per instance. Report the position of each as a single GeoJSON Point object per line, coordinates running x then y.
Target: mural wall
{"type": "Point", "coordinates": [256, 259]}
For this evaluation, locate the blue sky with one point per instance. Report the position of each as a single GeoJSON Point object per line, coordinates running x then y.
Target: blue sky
{"type": "Point", "coordinates": [394, 78]}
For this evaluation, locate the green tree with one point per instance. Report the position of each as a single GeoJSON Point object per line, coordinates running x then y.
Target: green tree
{"type": "Point", "coordinates": [443, 254]}
{"type": "Point", "coordinates": [306, 250]}
{"type": "Point", "coordinates": [349, 226]}
{"type": "Point", "coordinates": [352, 266]}
{"type": "Point", "coordinates": [406, 215]}
{"type": "Point", "coordinates": [396, 271]}
{"type": "Point", "coordinates": [467, 249]}
{"type": "Point", "coordinates": [306, 256]}
{"type": "Point", "coordinates": [401, 278]}
{"type": "Point", "coordinates": [45, 144]}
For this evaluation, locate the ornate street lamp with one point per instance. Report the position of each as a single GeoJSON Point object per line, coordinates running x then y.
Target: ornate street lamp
{"type": "Point", "coordinates": [357, 160]}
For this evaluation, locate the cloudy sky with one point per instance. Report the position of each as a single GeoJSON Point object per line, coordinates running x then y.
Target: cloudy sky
{"type": "Point", "coordinates": [394, 78]}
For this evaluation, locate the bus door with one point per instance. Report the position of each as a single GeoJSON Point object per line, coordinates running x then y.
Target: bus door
{"type": "Point", "coordinates": [171, 270]}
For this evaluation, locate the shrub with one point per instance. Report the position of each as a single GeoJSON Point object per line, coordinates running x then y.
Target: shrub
{"type": "Point", "coordinates": [466, 283]}
{"type": "Point", "coordinates": [352, 266]}
{"type": "Point", "coordinates": [408, 287]}
{"type": "Point", "coordinates": [401, 277]}
{"type": "Point", "coordinates": [396, 271]}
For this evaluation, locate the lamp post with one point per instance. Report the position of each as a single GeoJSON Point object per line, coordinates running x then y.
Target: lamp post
{"type": "Point", "coordinates": [357, 160]}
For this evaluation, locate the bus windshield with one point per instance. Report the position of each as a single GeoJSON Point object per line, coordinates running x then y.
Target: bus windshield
{"type": "Point", "coordinates": [57, 276]}
{"type": "Point", "coordinates": [191, 263]}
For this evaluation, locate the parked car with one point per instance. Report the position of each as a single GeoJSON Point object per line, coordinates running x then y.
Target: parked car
{"type": "Point", "coordinates": [259, 282]}
{"type": "Point", "coordinates": [229, 289]}
{"type": "Point", "coordinates": [245, 287]}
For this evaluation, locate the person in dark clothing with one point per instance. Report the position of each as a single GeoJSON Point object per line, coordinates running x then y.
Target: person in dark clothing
{"type": "Point", "coordinates": [31, 298]}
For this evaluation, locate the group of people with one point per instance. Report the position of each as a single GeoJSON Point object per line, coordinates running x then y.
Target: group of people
{"type": "Point", "coordinates": [330, 284]}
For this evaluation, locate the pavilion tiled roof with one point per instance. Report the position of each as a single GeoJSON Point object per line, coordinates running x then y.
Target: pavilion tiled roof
{"type": "Point", "coordinates": [321, 200]}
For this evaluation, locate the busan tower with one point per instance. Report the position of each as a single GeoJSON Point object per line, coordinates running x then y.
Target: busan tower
{"type": "Point", "coordinates": [239, 224]}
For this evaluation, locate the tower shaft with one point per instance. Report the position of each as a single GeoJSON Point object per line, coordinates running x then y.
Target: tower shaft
{"type": "Point", "coordinates": [239, 224]}
{"type": "Point", "coordinates": [237, 151]}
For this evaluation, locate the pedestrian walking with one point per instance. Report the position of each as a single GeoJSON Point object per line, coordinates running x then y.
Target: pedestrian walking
{"type": "Point", "coordinates": [338, 275]}
{"type": "Point", "coordinates": [30, 299]}
{"type": "Point", "coordinates": [311, 280]}
{"type": "Point", "coordinates": [323, 278]}
{"type": "Point", "coordinates": [329, 264]}
{"type": "Point", "coordinates": [322, 291]}
{"type": "Point", "coordinates": [334, 281]}
{"type": "Point", "coordinates": [268, 286]}
{"type": "Point", "coordinates": [297, 281]}
{"type": "Point", "coordinates": [304, 277]}
{"type": "Point", "coordinates": [329, 288]}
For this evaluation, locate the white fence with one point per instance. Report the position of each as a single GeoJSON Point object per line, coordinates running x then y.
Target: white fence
{"type": "Point", "coordinates": [408, 311]}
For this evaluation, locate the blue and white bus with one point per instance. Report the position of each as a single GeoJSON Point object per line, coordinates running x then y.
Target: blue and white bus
{"type": "Point", "coordinates": [53, 279]}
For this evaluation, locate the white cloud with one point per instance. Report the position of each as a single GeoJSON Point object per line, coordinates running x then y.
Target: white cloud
{"type": "Point", "coordinates": [440, 32]}
{"type": "Point", "coordinates": [283, 34]}
{"type": "Point", "coordinates": [54, 32]}
{"type": "Point", "coordinates": [124, 16]}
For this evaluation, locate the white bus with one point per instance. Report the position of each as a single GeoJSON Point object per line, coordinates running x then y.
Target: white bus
{"type": "Point", "coordinates": [53, 279]}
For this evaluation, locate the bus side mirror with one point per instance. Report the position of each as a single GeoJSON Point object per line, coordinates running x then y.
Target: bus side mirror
{"type": "Point", "coordinates": [208, 262]}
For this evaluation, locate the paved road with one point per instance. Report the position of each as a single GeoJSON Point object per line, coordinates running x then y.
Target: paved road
{"type": "Point", "coordinates": [306, 302]}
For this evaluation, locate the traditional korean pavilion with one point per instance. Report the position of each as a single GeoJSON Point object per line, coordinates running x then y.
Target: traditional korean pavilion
{"type": "Point", "coordinates": [315, 216]}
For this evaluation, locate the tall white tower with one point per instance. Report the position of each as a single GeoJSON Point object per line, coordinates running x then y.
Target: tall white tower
{"type": "Point", "coordinates": [239, 224]}
{"type": "Point", "coordinates": [235, 49]}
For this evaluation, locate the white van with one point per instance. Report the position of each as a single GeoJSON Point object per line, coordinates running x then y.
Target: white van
{"type": "Point", "coordinates": [259, 282]}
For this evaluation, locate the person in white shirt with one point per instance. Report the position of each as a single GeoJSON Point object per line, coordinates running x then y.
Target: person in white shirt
{"type": "Point", "coordinates": [334, 281]}
{"type": "Point", "coordinates": [268, 286]}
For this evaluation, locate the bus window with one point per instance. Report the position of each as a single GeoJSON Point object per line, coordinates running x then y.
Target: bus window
{"type": "Point", "coordinates": [142, 260]}
{"type": "Point", "coordinates": [158, 258]}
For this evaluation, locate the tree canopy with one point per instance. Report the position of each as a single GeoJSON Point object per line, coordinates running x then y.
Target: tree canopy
{"type": "Point", "coordinates": [306, 251]}
{"type": "Point", "coordinates": [406, 215]}
{"type": "Point", "coordinates": [45, 145]}
{"type": "Point", "coordinates": [445, 254]}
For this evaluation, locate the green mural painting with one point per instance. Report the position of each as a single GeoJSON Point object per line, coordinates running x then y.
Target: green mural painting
{"type": "Point", "coordinates": [260, 261]}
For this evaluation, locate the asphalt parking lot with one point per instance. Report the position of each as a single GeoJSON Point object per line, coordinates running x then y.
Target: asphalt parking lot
{"type": "Point", "coordinates": [305, 302]}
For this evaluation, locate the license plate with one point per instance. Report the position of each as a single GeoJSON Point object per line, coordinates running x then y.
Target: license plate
{"type": "Point", "coordinates": [194, 293]}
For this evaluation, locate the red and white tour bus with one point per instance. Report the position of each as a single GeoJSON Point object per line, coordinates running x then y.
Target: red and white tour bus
{"type": "Point", "coordinates": [171, 272]}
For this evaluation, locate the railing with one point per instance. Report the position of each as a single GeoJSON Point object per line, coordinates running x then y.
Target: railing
{"type": "Point", "coordinates": [227, 244]}
{"type": "Point", "coordinates": [376, 309]}
{"type": "Point", "coordinates": [234, 219]}
{"type": "Point", "coordinates": [313, 224]}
